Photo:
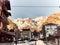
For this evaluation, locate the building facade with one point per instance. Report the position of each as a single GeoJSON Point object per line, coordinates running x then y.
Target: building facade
{"type": "Point", "coordinates": [4, 14]}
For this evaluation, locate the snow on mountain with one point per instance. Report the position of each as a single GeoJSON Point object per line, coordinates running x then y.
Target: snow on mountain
{"type": "Point", "coordinates": [38, 22]}
{"type": "Point", "coordinates": [25, 23]}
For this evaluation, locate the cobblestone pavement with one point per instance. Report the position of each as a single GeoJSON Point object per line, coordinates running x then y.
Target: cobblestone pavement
{"type": "Point", "coordinates": [53, 42]}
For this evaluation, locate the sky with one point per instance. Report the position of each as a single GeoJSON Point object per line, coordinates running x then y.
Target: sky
{"type": "Point", "coordinates": [33, 8]}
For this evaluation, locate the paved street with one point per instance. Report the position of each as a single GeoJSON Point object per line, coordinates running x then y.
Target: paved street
{"type": "Point", "coordinates": [27, 43]}
{"type": "Point", "coordinates": [39, 42]}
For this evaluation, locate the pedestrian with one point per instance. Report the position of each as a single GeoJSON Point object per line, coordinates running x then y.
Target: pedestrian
{"type": "Point", "coordinates": [17, 33]}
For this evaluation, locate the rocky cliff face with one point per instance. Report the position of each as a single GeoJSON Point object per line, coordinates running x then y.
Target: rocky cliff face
{"type": "Point", "coordinates": [11, 24]}
{"type": "Point", "coordinates": [53, 18]}
{"type": "Point", "coordinates": [38, 22]}
{"type": "Point", "coordinates": [26, 23]}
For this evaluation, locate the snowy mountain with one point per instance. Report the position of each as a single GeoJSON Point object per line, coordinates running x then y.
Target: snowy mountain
{"type": "Point", "coordinates": [38, 22]}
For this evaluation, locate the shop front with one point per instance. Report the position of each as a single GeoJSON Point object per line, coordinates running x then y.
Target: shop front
{"type": "Point", "coordinates": [26, 34]}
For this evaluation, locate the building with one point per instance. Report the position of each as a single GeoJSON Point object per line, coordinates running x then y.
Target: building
{"type": "Point", "coordinates": [4, 14]}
